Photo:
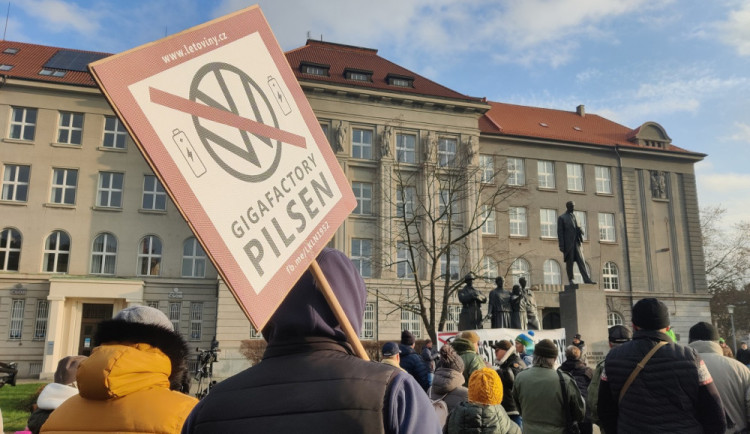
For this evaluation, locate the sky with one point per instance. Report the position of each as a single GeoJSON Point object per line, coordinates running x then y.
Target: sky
{"type": "Point", "coordinates": [682, 64]}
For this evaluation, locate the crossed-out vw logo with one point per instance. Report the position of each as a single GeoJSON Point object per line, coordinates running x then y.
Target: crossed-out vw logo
{"type": "Point", "coordinates": [246, 156]}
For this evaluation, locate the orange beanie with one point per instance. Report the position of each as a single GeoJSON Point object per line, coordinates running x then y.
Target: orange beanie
{"type": "Point", "coordinates": [485, 387]}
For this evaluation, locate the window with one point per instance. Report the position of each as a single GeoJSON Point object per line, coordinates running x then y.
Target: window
{"type": "Point", "coordinates": [410, 320]}
{"type": "Point", "coordinates": [361, 143]}
{"type": "Point", "coordinates": [520, 268]}
{"type": "Point", "coordinates": [363, 193]}
{"type": "Point", "coordinates": [71, 128]}
{"type": "Point", "coordinates": [610, 276]}
{"type": "Point", "coordinates": [575, 177]}
{"type": "Point", "coordinates": [488, 215]}
{"type": "Point", "coordinates": [153, 303]}
{"type": "Point", "coordinates": [368, 323]}
{"type": "Point", "coordinates": [193, 259]}
{"type": "Point", "coordinates": [154, 196]}
{"type": "Point", "coordinates": [406, 148]}
{"type": "Point", "coordinates": [109, 192]}
{"type": "Point", "coordinates": [64, 183]}
{"type": "Point", "coordinates": [6, 67]}
{"type": "Point", "coordinates": [545, 174]}
{"type": "Point", "coordinates": [10, 249]}
{"type": "Point", "coordinates": [395, 80]}
{"type": "Point", "coordinates": [255, 334]}
{"type": "Point", "coordinates": [548, 223]}
{"type": "Point", "coordinates": [40, 325]}
{"type": "Point", "coordinates": [196, 321]}
{"type": "Point", "coordinates": [104, 254]}
{"type": "Point", "coordinates": [582, 223]}
{"type": "Point", "coordinates": [403, 261]}
{"type": "Point", "coordinates": [516, 172]}
{"type": "Point", "coordinates": [356, 75]}
{"type": "Point", "coordinates": [447, 206]}
{"type": "Point", "coordinates": [16, 183]}
{"type": "Point", "coordinates": [454, 270]}
{"type": "Point", "coordinates": [454, 311]}
{"type": "Point", "coordinates": [57, 252]}
{"type": "Point", "coordinates": [405, 202]}
{"type": "Point", "coordinates": [446, 152]}
{"type": "Point", "coordinates": [552, 275]}
{"type": "Point", "coordinates": [487, 168]}
{"type": "Point", "coordinates": [606, 227]}
{"type": "Point", "coordinates": [23, 123]}
{"type": "Point", "coordinates": [114, 133]}
{"type": "Point", "coordinates": [16, 318]}
{"type": "Point", "coordinates": [149, 256]}
{"type": "Point", "coordinates": [489, 268]}
{"type": "Point", "coordinates": [603, 180]}
{"type": "Point", "coordinates": [11, 50]}
{"type": "Point", "coordinates": [362, 256]}
{"type": "Point", "coordinates": [577, 273]}
{"type": "Point", "coordinates": [175, 309]}
{"type": "Point", "coordinates": [517, 217]}
{"type": "Point", "coordinates": [613, 319]}
{"type": "Point", "coordinates": [321, 70]}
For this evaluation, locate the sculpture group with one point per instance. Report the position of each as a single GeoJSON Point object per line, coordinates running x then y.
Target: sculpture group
{"type": "Point", "coordinates": [517, 308]}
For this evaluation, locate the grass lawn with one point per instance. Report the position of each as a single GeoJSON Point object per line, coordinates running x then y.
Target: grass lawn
{"type": "Point", "coordinates": [16, 404]}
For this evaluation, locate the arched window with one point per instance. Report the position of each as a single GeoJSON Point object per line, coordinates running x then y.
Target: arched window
{"type": "Point", "coordinates": [520, 268]}
{"type": "Point", "coordinates": [104, 254]}
{"type": "Point", "coordinates": [149, 256]}
{"type": "Point", "coordinates": [489, 268]}
{"type": "Point", "coordinates": [193, 259]}
{"type": "Point", "coordinates": [57, 252]}
{"type": "Point", "coordinates": [10, 249]}
{"type": "Point", "coordinates": [551, 272]}
{"type": "Point", "coordinates": [613, 319]}
{"type": "Point", "coordinates": [610, 276]}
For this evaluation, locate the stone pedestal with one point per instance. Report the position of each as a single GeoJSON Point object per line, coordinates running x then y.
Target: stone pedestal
{"type": "Point", "coordinates": [584, 311]}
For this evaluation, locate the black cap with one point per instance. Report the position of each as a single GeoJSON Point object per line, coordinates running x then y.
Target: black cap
{"type": "Point", "coordinates": [619, 334]}
{"type": "Point", "coordinates": [390, 349]}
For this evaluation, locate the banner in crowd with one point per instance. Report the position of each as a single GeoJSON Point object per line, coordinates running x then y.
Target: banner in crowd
{"type": "Point", "coordinates": [487, 337]}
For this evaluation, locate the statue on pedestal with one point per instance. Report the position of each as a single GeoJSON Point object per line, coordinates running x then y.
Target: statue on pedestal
{"type": "Point", "coordinates": [570, 237]}
{"type": "Point", "coordinates": [532, 321]}
{"type": "Point", "coordinates": [471, 312]}
{"type": "Point", "coordinates": [518, 309]}
{"type": "Point", "coordinates": [499, 306]}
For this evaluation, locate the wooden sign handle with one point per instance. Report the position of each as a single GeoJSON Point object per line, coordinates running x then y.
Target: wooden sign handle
{"type": "Point", "coordinates": [333, 302]}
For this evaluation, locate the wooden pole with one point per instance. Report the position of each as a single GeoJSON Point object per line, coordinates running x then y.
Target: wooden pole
{"type": "Point", "coordinates": [346, 326]}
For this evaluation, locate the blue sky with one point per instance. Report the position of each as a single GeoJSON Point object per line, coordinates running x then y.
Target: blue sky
{"type": "Point", "coordinates": [682, 64]}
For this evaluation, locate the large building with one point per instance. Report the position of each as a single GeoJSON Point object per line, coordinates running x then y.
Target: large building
{"type": "Point", "coordinates": [87, 228]}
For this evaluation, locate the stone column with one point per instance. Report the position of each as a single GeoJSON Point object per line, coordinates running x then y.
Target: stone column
{"type": "Point", "coordinates": [53, 346]}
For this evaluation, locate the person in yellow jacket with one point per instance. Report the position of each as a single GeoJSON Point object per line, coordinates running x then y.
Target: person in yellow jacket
{"type": "Point", "coordinates": [133, 381]}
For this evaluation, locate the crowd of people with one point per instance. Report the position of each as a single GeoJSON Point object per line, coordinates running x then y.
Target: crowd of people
{"type": "Point", "coordinates": [311, 381]}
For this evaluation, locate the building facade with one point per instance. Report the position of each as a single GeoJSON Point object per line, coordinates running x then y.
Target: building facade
{"type": "Point", "coordinates": [87, 229]}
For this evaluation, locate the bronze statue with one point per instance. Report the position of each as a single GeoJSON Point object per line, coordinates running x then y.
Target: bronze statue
{"type": "Point", "coordinates": [532, 321]}
{"type": "Point", "coordinates": [499, 306]}
{"type": "Point", "coordinates": [471, 312]}
{"type": "Point", "coordinates": [518, 309]}
{"type": "Point", "coordinates": [570, 237]}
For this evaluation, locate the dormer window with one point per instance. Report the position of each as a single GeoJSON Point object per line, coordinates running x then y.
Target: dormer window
{"type": "Point", "coordinates": [315, 69]}
{"type": "Point", "coordinates": [11, 50]}
{"type": "Point", "coordinates": [400, 80]}
{"type": "Point", "coordinates": [358, 75]}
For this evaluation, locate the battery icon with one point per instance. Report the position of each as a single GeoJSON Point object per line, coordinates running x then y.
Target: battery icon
{"type": "Point", "coordinates": [279, 96]}
{"type": "Point", "coordinates": [188, 152]}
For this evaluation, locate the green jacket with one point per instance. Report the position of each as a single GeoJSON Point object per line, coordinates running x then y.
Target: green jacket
{"type": "Point", "coordinates": [471, 418]}
{"type": "Point", "coordinates": [539, 399]}
{"type": "Point", "coordinates": [472, 360]}
{"type": "Point", "coordinates": [593, 395]}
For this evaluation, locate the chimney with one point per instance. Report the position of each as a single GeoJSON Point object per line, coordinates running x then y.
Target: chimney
{"type": "Point", "coordinates": [581, 110]}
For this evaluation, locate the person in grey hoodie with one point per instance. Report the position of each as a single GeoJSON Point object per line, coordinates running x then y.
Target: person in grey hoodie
{"type": "Point", "coordinates": [731, 377]}
{"type": "Point", "coordinates": [447, 384]}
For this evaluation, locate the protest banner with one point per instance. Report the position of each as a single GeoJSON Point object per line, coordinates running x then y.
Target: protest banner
{"type": "Point", "coordinates": [487, 337]}
{"type": "Point", "coordinates": [221, 119]}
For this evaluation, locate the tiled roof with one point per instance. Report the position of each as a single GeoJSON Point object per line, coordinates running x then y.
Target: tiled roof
{"type": "Point", "coordinates": [340, 57]}
{"type": "Point", "coordinates": [30, 59]}
{"type": "Point", "coordinates": [567, 126]}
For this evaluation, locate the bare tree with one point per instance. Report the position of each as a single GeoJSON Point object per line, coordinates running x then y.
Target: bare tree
{"type": "Point", "coordinates": [726, 250]}
{"type": "Point", "coordinates": [438, 210]}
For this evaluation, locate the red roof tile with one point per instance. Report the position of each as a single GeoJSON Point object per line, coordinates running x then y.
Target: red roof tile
{"type": "Point", "coordinates": [341, 57]}
{"type": "Point", "coordinates": [568, 126]}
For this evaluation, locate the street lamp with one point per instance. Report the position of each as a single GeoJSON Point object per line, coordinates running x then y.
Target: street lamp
{"type": "Point", "coordinates": [730, 309]}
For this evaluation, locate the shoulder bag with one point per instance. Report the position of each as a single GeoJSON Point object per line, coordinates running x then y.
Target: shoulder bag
{"type": "Point", "coordinates": [571, 426]}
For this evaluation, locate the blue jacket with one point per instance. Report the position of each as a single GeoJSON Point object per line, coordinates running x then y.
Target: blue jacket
{"type": "Point", "coordinates": [413, 364]}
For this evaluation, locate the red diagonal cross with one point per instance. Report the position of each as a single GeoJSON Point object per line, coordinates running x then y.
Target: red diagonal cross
{"type": "Point", "coordinates": [224, 117]}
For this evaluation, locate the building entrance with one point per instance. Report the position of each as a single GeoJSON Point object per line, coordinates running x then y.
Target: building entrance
{"type": "Point", "coordinates": [92, 315]}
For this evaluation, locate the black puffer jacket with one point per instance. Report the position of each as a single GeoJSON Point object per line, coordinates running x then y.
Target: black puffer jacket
{"type": "Point", "coordinates": [674, 392]}
{"type": "Point", "coordinates": [412, 363]}
{"type": "Point", "coordinates": [508, 370]}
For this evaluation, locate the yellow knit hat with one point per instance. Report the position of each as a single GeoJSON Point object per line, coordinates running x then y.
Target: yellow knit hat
{"type": "Point", "coordinates": [485, 387]}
